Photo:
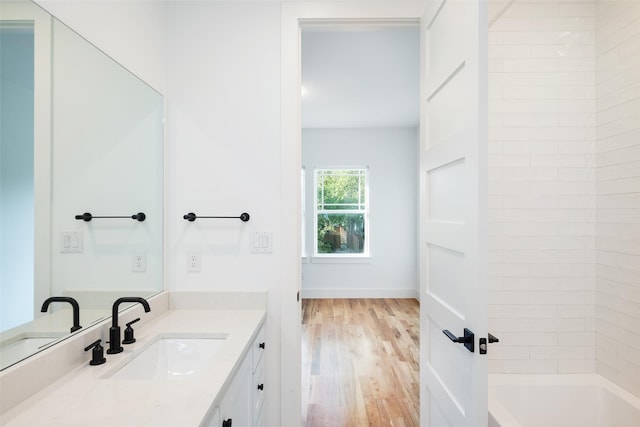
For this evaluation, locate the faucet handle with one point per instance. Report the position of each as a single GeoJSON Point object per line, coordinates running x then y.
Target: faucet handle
{"type": "Point", "coordinates": [128, 333]}
{"type": "Point", "coordinates": [97, 354]}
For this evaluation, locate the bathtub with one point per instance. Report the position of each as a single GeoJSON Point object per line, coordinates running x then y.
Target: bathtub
{"type": "Point", "coordinates": [560, 401]}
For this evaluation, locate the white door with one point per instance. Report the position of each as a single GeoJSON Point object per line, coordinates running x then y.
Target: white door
{"type": "Point", "coordinates": [453, 175]}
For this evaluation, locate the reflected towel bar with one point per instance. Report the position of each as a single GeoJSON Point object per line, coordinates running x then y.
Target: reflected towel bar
{"type": "Point", "coordinates": [140, 216]}
{"type": "Point", "coordinates": [192, 217]}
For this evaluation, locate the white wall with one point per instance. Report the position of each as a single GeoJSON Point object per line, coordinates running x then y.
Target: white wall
{"type": "Point", "coordinates": [618, 193]}
{"type": "Point", "coordinates": [390, 154]}
{"type": "Point", "coordinates": [542, 188]}
{"type": "Point", "coordinates": [223, 124]}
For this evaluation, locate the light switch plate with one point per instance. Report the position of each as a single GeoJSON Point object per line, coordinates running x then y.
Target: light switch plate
{"type": "Point", "coordinates": [71, 242]}
{"type": "Point", "coordinates": [262, 242]}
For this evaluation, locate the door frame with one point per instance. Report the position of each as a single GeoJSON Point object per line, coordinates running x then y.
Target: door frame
{"type": "Point", "coordinates": [293, 16]}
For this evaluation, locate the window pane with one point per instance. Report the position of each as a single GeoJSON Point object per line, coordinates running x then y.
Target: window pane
{"type": "Point", "coordinates": [341, 190]}
{"type": "Point", "coordinates": [340, 233]}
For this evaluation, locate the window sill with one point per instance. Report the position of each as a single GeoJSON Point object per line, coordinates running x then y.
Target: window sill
{"type": "Point", "coordinates": [337, 259]}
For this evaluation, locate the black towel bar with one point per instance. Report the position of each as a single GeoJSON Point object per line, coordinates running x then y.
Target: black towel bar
{"type": "Point", "coordinates": [192, 217]}
{"type": "Point", "coordinates": [140, 216]}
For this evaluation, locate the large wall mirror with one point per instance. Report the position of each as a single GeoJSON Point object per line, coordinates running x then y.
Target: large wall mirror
{"type": "Point", "coordinates": [78, 133]}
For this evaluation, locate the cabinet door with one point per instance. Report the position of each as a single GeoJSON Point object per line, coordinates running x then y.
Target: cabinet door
{"type": "Point", "coordinates": [237, 401]}
{"type": "Point", "coordinates": [258, 391]}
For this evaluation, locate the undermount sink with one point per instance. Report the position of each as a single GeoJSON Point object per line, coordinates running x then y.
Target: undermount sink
{"type": "Point", "coordinates": [170, 358]}
{"type": "Point", "coordinates": [20, 346]}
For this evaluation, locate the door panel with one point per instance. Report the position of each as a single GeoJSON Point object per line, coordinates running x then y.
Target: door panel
{"type": "Point", "coordinates": [453, 225]}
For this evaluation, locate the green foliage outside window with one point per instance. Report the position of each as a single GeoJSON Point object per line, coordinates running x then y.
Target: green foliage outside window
{"type": "Point", "coordinates": [342, 190]}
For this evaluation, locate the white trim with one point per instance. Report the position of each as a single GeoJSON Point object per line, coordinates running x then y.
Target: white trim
{"type": "Point", "coordinates": [340, 259]}
{"type": "Point", "coordinates": [360, 293]}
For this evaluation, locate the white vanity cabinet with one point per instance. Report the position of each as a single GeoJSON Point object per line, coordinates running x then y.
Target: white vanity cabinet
{"type": "Point", "coordinates": [257, 376]}
{"type": "Point", "coordinates": [235, 407]}
{"type": "Point", "coordinates": [242, 404]}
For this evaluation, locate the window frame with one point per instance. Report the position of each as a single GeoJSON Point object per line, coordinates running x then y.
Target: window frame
{"type": "Point", "coordinates": [365, 211]}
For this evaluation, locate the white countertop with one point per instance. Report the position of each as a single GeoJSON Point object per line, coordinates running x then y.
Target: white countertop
{"type": "Point", "coordinates": [84, 397]}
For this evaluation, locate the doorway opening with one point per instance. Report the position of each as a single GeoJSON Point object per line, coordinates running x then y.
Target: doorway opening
{"type": "Point", "coordinates": [360, 109]}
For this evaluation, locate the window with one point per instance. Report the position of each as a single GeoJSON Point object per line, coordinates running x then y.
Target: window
{"type": "Point", "coordinates": [341, 212]}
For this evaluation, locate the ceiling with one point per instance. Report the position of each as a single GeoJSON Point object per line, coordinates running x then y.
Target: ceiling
{"type": "Point", "coordinates": [360, 76]}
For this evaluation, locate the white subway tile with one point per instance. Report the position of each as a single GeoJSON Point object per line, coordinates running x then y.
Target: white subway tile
{"type": "Point", "coordinates": [576, 64]}
{"type": "Point", "coordinates": [576, 37]}
{"type": "Point", "coordinates": [576, 311]}
{"type": "Point", "coordinates": [530, 174]}
{"type": "Point", "coordinates": [577, 256]}
{"type": "Point", "coordinates": [576, 366]}
{"type": "Point", "coordinates": [575, 78]}
{"type": "Point", "coordinates": [509, 325]}
{"type": "Point", "coordinates": [530, 119]}
{"type": "Point", "coordinates": [558, 160]}
{"type": "Point", "coordinates": [510, 106]}
{"type": "Point", "coordinates": [576, 338]}
{"type": "Point", "coordinates": [509, 242]}
{"type": "Point", "coordinates": [530, 229]}
{"type": "Point", "coordinates": [530, 284]}
{"type": "Point", "coordinates": [558, 215]}
{"type": "Point", "coordinates": [530, 147]}
{"type": "Point", "coordinates": [533, 10]}
{"type": "Point", "coordinates": [576, 119]}
{"type": "Point", "coordinates": [530, 37]}
{"type": "Point", "coordinates": [509, 133]}
{"type": "Point", "coordinates": [530, 366]}
{"type": "Point", "coordinates": [580, 233]}
{"type": "Point", "coordinates": [511, 352]}
{"type": "Point", "coordinates": [562, 243]}
{"type": "Point", "coordinates": [558, 188]}
{"type": "Point", "coordinates": [508, 79]}
{"type": "Point", "coordinates": [586, 8]}
{"type": "Point", "coordinates": [532, 65]}
{"type": "Point", "coordinates": [509, 298]}
{"type": "Point", "coordinates": [576, 174]}
{"type": "Point", "coordinates": [530, 312]}
{"type": "Point", "coordinates": [576, 284]}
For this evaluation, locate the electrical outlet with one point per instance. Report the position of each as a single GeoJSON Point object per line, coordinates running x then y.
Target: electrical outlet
{"type": "Point", "coordinates": [139, 262]}
{"type": "Point", "coordinates": [194, 262]}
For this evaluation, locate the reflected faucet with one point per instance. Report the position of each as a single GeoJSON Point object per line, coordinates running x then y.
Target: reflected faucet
{"type": "Point", "coordinates": [74, 304]}
{"type": "Point", "coordinates": [114, 331]}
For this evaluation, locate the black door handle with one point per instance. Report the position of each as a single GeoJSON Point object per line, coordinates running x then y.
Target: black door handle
{"type": "Point", "coordinates": [468, 339]}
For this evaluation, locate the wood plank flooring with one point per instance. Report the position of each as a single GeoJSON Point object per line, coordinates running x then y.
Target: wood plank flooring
{"type": "Point", "coordinates": [360, 362]}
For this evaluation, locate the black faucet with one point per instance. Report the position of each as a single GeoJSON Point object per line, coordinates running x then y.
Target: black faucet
{"type": "Point", "coordinates": [114, 330]}
{"type": "Point", "coordinates": [74, 304]}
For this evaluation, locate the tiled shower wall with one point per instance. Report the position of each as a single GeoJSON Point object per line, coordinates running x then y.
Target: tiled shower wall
{"type": "Point", "coordinates": [542, 204]}
{"type": "Point", "coordinates": [618, 192]}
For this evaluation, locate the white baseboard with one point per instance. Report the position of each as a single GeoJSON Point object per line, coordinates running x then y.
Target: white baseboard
{"type": "Point", "coordinates": [360, 293]}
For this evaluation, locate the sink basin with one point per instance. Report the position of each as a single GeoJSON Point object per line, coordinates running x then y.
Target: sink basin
{"type": "Point", "coordinates": [170, 358]}
{"type": "Point", "coordinates": [20, 346]}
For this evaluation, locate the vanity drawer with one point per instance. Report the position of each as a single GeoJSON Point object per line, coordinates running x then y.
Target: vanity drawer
{"type": "Point", "coordinates": [259, 347]}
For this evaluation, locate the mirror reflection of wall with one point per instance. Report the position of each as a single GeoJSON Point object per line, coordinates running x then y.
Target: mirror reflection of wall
{"type": "Point", "coordinates": [86, 137]}
{"type": "Point", "coordinates": [107, 160]}
{"type": "Point", "coordinates": [16, 172]}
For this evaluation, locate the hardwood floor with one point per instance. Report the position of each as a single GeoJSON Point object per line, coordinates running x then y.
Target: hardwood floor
{"type": "Point", "coordinates": [360, 362]}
